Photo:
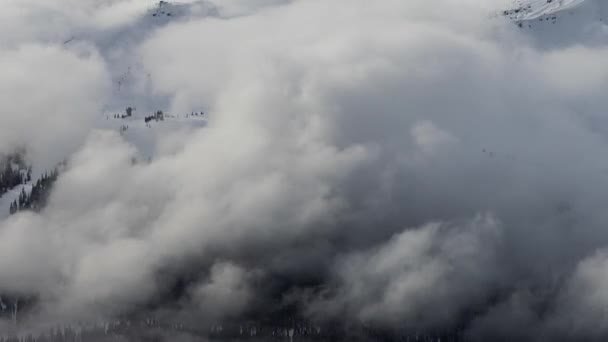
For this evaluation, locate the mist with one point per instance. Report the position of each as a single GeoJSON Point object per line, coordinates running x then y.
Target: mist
{"type": "Point", "coordinates": [408, 166]}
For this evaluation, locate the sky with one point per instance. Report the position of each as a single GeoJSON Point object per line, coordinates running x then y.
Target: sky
{"type": "Point", "coordinates": [388, 163]}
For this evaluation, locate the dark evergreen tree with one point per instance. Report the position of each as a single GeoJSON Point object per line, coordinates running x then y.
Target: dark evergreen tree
{"type": "Point", "coordinates": [37, 198]}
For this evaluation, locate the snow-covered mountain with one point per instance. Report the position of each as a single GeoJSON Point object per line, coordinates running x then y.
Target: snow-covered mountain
{"type": "Point", "coordinates": [144, 116]}
{"type": "Point", "coordinates": [131, 84]}
{"type": "Point", "coordinates": [553, 23]}
{"type": "Point", "coordinates": [533, 9]}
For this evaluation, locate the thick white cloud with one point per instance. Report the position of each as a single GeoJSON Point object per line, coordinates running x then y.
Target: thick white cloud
{"type": "Point", "coordinates": [338, 126]}
{"type": "Point", "coordinates": [49, 98]}
{"type": "Point", "coordinates": [226, 293]}
{"type": "Point", "coordinates": [424, 277]}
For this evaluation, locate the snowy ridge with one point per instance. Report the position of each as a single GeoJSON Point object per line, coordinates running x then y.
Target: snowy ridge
{"type": "Point", "coordinates": [559, 23]}
{"type": "Point", "coordinates": [143, 134]}
{"type": "Point", "coordinates": [534, 9]}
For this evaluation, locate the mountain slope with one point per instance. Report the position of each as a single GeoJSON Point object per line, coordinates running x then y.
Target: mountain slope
{"type": "Point", "coordinates": [560, 23]}
{"type": "Point", "coordinates": [534, 9]}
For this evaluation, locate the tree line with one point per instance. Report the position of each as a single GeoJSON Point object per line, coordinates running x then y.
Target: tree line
{"type": "Point", "coordinates": [14, 172]}
{"type": "Point", "coordinates": [37, 198]}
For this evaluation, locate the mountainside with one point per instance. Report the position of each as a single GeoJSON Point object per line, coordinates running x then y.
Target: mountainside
{"type": "Point", "coordinates": [133, 105]}
{"type": "Point", "coordinates": [554, 23]}
{"type": "Point", "coordinates": [533, 9]}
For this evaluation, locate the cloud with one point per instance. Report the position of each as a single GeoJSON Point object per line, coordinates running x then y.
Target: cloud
{"type": "Point", "coordinates": [381, 162]}
{"type": "Point", "coordinates": [50, 98]}
{"type": "Point", "coordinates": [424, 276]}
{"type": "Point", "coordinates": [227, 293]}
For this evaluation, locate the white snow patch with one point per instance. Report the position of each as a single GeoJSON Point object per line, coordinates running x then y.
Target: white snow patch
{"type": "Point", "coordinates": [534, 9]}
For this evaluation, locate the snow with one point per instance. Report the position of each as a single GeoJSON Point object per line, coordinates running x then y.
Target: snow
{"type": "Point", "coordinates": [132, 83]}
{"type": "Point", "coordinates": [144, 136]}
{"type": "Point", "coordinates": [10, 196]}
{"type": "Point", "coordinates": [560, 23]}
{"type": "Point", "coordinates": [534, 9]}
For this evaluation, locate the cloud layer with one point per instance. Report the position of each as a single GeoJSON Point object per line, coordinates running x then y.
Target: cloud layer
{"type": "Point", "coordinates": [389, 163]}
